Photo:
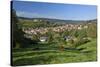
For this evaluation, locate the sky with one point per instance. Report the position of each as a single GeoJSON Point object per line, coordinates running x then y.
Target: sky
{"type": "Point", "coordinates": [55, 10]}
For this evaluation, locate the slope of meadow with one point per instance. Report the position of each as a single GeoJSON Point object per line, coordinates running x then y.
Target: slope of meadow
{"type": "Point", "coordinates": [27, 56]}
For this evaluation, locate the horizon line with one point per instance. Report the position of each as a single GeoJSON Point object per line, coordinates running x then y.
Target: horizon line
{"type": "Point", "coordinates": [58, 18]}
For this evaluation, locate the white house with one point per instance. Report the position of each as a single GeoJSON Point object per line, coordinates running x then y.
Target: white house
{"type": "Point", "coordinates": [43, 39]}
{"type": "Point", "coordinates": [67, 38]}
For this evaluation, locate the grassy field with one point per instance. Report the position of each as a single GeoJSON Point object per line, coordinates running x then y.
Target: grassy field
{"type": "Point", "coordinates": [51, 55]}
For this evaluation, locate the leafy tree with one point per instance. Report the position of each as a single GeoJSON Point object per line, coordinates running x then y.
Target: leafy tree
{"type": "Point", "coordinates": [74, 33]}
{"type": "Point", "coordinates": [50, 35]}
{"type": "Point", "coordinates": [92, 30]}
{"type": "Point", "coordinates": [82, 33]}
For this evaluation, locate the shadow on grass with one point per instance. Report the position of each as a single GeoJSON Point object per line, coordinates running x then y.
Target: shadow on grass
{"type": "Point", "coordinates": [75, 49]}
{"type": "Point", "coordinates": [39, 51]}
{"type": "Point", "coordinates": [42, 59]}
{"type": "Point", "coordinates": [43, 56]}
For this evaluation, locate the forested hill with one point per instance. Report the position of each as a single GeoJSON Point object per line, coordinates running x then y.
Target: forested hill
{"type": "Point", "coordinates": [56, 20]}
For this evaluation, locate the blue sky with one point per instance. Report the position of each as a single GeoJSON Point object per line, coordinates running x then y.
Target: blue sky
{"type": "Point", "coordinates": [54, 10]}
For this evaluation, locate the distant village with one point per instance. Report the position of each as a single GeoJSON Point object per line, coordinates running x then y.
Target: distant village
{"type": "Point", "coordinates": [67, 27]}
{"type": "Point", "coordinates": [29, 32]}
{"type": "Point", "coordinates": [55, 29]}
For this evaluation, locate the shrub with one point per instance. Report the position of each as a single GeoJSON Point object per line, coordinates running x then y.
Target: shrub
{"type": "Point", "coordinates": [80, 42]}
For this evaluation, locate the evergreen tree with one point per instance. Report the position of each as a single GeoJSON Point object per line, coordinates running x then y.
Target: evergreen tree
{"type": "Point", "coordinates": [17, 34]}
{"type": "Point", "coordinates": [18, 39]}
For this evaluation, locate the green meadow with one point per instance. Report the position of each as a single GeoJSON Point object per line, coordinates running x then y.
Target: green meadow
{"type": "Point", "coordinates": [45, 41]}
{"type": "Point", "coordinates": [27, 56]}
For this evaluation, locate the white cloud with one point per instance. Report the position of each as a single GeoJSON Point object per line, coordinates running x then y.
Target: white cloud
{"type": "Point", "coordinates": [34, 15]}
{"type": "Point", "coordinates": [28, 14]}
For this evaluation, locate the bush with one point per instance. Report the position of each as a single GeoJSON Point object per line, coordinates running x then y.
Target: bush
{"type": "Point", "coordinates": [80, 42]}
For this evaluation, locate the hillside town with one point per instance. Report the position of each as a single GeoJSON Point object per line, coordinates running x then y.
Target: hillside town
{"type": "Point", "coordinates": [58, 29]}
